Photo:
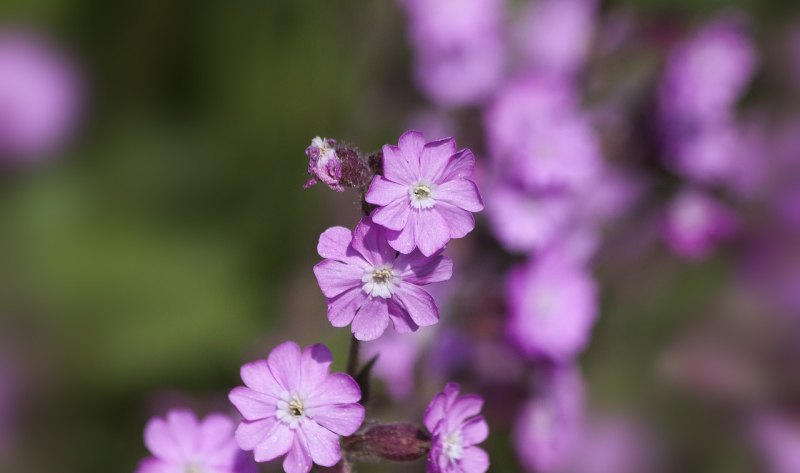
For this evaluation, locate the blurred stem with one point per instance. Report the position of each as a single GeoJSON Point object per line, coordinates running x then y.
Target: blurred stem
{"type": "Point", "coordinates": [352, 356]}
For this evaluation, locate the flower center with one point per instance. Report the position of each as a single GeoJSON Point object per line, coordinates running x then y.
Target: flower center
{"type": "Point", "coordinates": [422, 195]}
{"type": "Point", "coordinates": [454, 446]}
{"type": "Point", "coordinates": [292, 410]}
{"type": "Point", "coordinates": [379, 281]}
{"type": "Point", "coordinates": [193, 468]}
{"type": "Point", "coordinates": [295, 407]}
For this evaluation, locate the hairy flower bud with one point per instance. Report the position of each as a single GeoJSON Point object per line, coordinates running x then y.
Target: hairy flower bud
{"type": "Point", "coordinates": [336, 166]}
{"type": "Point", "coordinates": [395, 442]}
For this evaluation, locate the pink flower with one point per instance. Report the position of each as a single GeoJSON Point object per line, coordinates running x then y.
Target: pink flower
{"type": "Point", "coordinates": [367, 283]}
{"type": "Point", "coordinates": [553, 305]}
{"type": "Point", "coordinates": [424, 196]}
{"type": "Point", "coordinates": [179, 444]}
{"type": "Point", "coordinates": [39, 96]}
{"type": "Point", "coordinates": [777, 437]}
{"type": "Point", "coordinates": [549, 427]}
{"type": "Point", "coordinates": [694, 223]}
{"type": "Point", "coordinates": [324, 165]}
{"type": "Point", "coordinates": [292, 405]}
{"type": "Point", "coordinates": [457, 427]}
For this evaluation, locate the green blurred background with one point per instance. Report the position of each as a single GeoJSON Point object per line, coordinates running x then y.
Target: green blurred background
{"type": "Point", "coordinates": [173, 240]}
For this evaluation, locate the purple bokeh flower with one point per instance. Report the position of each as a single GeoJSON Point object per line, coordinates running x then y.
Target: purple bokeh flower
{"type": "Point", "coordinates": [616, 444]}
{"type": "Point", "coordinates": [777, 437]}
{"type": "Point", "coordinates": [367, 283]}
{"type": "Point", "coordinates": [549, 427]}
{"type": "Point", "coordinates": [397, 356]}
{"type": "Point", "coordinates": [694, 223]}
{"type": "Point", "coordinates": [552, 302]}
{"type": "Point", "coordinates": [555, 35]}
{"type": "Point", "coordinates": [456, 427]}
{"type": "Point", "coordinates": [293, 405]}
{"type": "Point", "coordinates": [39, 96]}
{"type": "Point", "coordinates": [181, 443]}
{"type": "Point", "coordinates": [324, 165]}
{"type": "Point", "coordinates": [425, 196]}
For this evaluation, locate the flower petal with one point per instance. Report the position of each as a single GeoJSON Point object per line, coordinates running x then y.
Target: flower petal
{"type": "Point", "coordinates": [342, 419]}
{"type": "Point", "coordinates": [401, 321]}
{"type": "Point", "coordinates": [184, 428]}
{"type": "Point", "coordinates": [216, 430]}
{"type": "Point", "coordinates": [249, 434]}
{"type": "Point", "coordinates": [314, 366]}
{"type": "Point", "coordinates": [460, 166]}
{"type": "Point", "coordinates": [404, 240]}
{"type": "Point", "coordinates": [160, 441]}
{"type": "Point", "coordinates": [462, 193]}
{"type": "Point", "coordinates": [401, 163]}
{"type": "Point", "coordinates": [431, 233]}
{"type": "Point", "coordinates": [439, 406]}
{"type": "Point", "coordinates": [384, 192]}
{"type": "Point", "coordinates": [475, 431]}
{"type": "Point", "coordinates": [154, 465]}
{"type": "Point", "coordinates": [323, 445]}
{"type": "Point", "coordinates": [369, 239]}
{"type": "Point", "coordinates": [393, 216]}
{"type": "Point", "coordinates": [474, 460]}
{"type": "Point", "coordinates": [464, 407]}
{"type": "Point", "coordinates": [252, 404]}
{"type": "Point", "coordinates": [258, 377]}
{"type": "Point", "coordinates": [333, 243]}
{"type": "Point", "coordinates": [460, 222]}
{"type": "Point", "coordinates": [275, 444]}
{"type": "Point", "coordinates": [418, 303]}
{"type": "Point", "coordinates": [299, 459]}
{"type": "Point", "coordinates": [419, 269]}
{"type": "Point", "coordinates": [435, 156]}
{"type": "Point", "coordinates": [335, 277]}
{"type": "Point", "coordinates": [371, 320]}
{"type": "Point", "coordinates": [343, 308]}
{"type": "Point", "coordinates": [338, 388]}
{"type": "Point", "coordinates": [284, 363]}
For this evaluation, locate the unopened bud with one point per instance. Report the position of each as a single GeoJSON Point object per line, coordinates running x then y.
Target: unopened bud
{"type": "Point", "coordinates": [394, 442]}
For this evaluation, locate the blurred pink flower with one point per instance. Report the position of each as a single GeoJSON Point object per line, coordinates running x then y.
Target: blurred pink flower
{"type": "Point", "coordinates": [694, 222]}
{"type": "Point", "coordinates": [39, 96]}
{"type": "Point", "coordinates": [777, 437]}
{"type": "Point", "coordinates": [324, 165]}
{"type": "Point", "coordinates": [180, 443]}
{"type": "Point", "coordinates": [397, 357]}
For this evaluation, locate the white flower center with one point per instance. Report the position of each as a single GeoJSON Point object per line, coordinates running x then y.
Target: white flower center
{"type": "Point", "coordinates": [454, 446]}
{"type": "Point", "coordinates": [379, 281]}
{"type": "Point", "coordinates": [292, 410]}
{"type": "Point", "coordinates": [422, 195]}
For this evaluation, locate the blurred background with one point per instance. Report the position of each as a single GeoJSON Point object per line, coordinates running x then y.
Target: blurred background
{"type": "Point", "coordinates": [166, 239]}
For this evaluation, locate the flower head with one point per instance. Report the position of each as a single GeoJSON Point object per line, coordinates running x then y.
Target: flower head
{"type": "Point", "coordinates": [694, 223]}
{"type": "Point", "coordinates": [182, 444]}
{"type": "Point", "coordinates": [324, 164]}
{"type": "Point", "coordinates": [293, 405]}
{"type": "Point", "coordinates": [553, 305]}
{"type": "Point", "coordinates": [457, 427]}
{"type": "Point", "coordinates": [39, 96]}
{"type": "Point", "coordinates": [424, 196]}
{"type": "Point", "coordinates": [367, 283]}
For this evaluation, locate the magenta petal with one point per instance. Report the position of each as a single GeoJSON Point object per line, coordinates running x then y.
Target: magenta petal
{"type": "Point", "coordinates": [249, 434]}
{"type": "Point", "coordinates": [275, 444]}
{"type": "Point", "coordinates": [418, 303]}
{"type": "Point", "coordinates": [323, 445]}
{"type": "Point", "coordinates": [419, 269]}
{"type": "Point", "coordinates": [460, 222]}
{"type": "Point", "coordinates": [183, 426]}
{"type": "Point", "coordinates": [159, 440]}
{"type": "Point", "coordinates": [439, 405]}
{"type": "Point", "coordinates": [404, 240]}
{"type": "Point", "coordinates": [411, 144]}
{"type": "Point", "coordinates": [342, 309]}
{"type": "Point", "coordinates": [396, 167]}
{"type": "Point", "coordinates": [383, 192]}
{"type": "Point", "coordinates": [432, 232]}
{"type": "Point", "coordinates": [461, 193]}
{"type": "Point", "coordinates": [401, 321]}
{"type": "Point", "coordinates": [475, 431]}
{"type": "Point", "coordinates": [333, 243]}
{"type": "Point", "coordinates": [465, 407]}
{"type": "Point", "coordinates": [299, 459]}
{"type": "Point", "coordinates": [369, 239]}
{"type": "Point", "coordinates": [335, 277]}
{"type": "Point", "coordinates": [283, 362]}
{"type": "Point", "coordinates": [257, 376]}
{"type": "Point", "coordinates": [393, 216]}
{"type": "Point", "coordinates": [216, 430]}
{"type": "Point", "coordinates": [343, 419]}
{"type": "Point", "coordinates": [460, 166]}
{"type": "Point", "coordinates": [371, 321]}
{"type": "Point", "coordinates": [315, 366]}
{"type": "Point", "coordinates": [338, 388]}
{"type": "Point", "coordinates": [435, 157]}
{"type": "Point", "coordinates": [474, 460]}
{"type": "Point", "coordinates": [251, 404]}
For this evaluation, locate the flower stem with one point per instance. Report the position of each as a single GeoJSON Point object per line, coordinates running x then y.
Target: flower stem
{"type": "Point", "coordinates": [352, 356]}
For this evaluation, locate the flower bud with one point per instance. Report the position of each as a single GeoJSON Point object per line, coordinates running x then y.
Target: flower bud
{"type": "Point", "coordinates": [394, 442]}
{"type": "Point", "coordinates": [324, 164]}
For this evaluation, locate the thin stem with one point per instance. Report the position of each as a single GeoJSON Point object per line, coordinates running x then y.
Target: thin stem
{"type": "Point", "coordinates": [352, 356]}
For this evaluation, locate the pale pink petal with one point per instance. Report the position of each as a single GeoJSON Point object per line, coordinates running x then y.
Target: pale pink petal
{"type": "Point", "coordinates": [383, 192]}
{"type": "Point", "coordinates": [463, 408]}
{"type": "Point", "coordinates": [343, 308]}
{"type": "Point", "coordinates": [418, 303]}
{"type": "Point", "coordinates": [404, 240]}
{"type": "Point", "coordinates": [371, 320]}
{"type": "Point", "coordinates": [275, 444]}
{"type": "Point", "coordinates": [419, 269]}
{"type": "Point", "coordinates": [475, 431]}
{"type": "Point", "coordinates": [283, 362]}
{"type": "Point", "coordinates": [432, 232]}
{"type": "Point", "coordinates": [343, 419]}
{"type": "Point", "coordinates": [257, 376]}
{"type": "Point", "coordinates": [461, 193]}
{"type": "Point", "coordinates": [252, 404]}
{"type": "Point", "coordinates": [394, 216]}
{"type": "Point", "coordinates": [249, 434]}
{"type": "Point", "coordinates": [323, 445]}
{"type": "Point", "coordinates": [333, 243]}
{"type": "Point", "coordinates": [338, 388]}
{"type": "Point", "coordinates": [401, 321]}
{"type": "Point", "coordinates": [299, 459]}
{"type": "Point", "coordinates": [460, 166]}
{"type": "Point", "coordinates": [315, 366]}
{"type": "Point", "coordinates": [184, 428]}
{"type": "Point", "coordinates": [411, 144]}
{"type": "Point", "coordinates": [440, 405]}
{"type": "Point", "coordinates": [216, 430]}
{"type": "Point", "coordinates": [460, 222]}
{"type": "Point", "coordinates": [369, 239]}
{"type": "Point", "coordinates": [154, 465]}
{"type": "Point", "coordinates": [335, 277]}
{"type": "Point", "coordinates": [160, 441]}
{"type": "Point", "coordinates": [474, 460]}
{"type": "Point", "coordinates": [396, 167]}
{"type": "Point", "coordinates": [435, 156]}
